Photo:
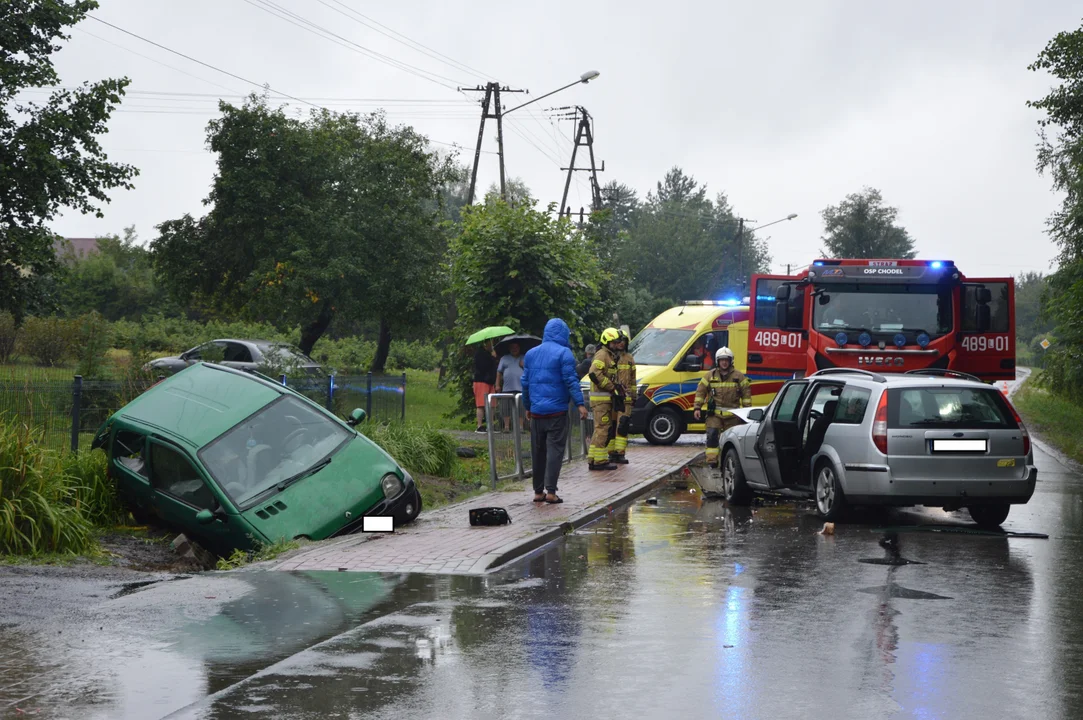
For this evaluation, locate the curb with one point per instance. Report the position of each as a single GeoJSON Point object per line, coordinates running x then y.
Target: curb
{"type": "Point", "coordinates": [515, 550]}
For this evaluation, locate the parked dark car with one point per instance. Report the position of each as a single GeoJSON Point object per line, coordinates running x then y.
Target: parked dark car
{"type": "Point", "coordinates": [236, 460]}
{"type": "Point", "coordinates": [263, 355]}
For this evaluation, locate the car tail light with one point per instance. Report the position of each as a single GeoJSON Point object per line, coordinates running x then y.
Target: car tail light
{"type": "Point", "coordinates": [1022, 427]}
{"type": "Point", "coordinates": [879, 425]}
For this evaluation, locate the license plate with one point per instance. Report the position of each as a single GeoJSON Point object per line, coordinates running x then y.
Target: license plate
{"type": "Point", "coordinates": [960, 445]}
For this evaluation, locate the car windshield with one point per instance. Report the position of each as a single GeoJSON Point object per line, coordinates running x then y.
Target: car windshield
{"type": "Point", "coordinates": [657, 346]}
{"type": "Point", "coordinates": [948, 407]}
{"type": "Point", "coordinates": [902, 308]}
{"type": "Point", "coordinates": [287, 437]}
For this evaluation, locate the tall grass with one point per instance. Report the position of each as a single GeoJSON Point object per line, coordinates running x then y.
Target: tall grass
{"type": "Point", "coordinates": [94, 494]}
{"type": "Point", "coordinates": [419, 448]}
{"type": "Point", "coordinates": [40, 509]}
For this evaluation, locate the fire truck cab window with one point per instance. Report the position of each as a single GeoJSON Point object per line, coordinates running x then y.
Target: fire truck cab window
{"type": "Point", "coordinates": [766, 312]}
{"type": "Point", "coordinates": [999, 311]}
{"type": "Point", "coordinates": [883, 309]}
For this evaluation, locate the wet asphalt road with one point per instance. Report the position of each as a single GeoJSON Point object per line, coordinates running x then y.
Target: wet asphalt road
{"type": "Point", "coordinates": [684, 609]}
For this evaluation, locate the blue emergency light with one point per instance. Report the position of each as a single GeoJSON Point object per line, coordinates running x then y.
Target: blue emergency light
{"type": "Point", "coordinates": [730, 302]}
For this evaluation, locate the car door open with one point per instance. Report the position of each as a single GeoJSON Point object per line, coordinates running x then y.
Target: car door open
{"type": "Point", "coordinates": [778, 441]}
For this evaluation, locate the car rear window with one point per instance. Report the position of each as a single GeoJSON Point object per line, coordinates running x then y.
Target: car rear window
{"type": "Point", "coordinates": [948, 407]}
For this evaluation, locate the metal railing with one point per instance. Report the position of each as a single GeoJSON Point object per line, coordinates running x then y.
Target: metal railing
{"type": "Point", "coordinates": [510, 451]}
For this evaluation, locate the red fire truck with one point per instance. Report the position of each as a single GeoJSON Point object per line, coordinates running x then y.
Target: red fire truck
{"type": "Point", "coordinates": [882, 315]}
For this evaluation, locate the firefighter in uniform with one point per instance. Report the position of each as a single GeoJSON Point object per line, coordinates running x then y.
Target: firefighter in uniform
{"type": "Point", "coordinates": [603, 384]}
{"type": "Point", "coordinates": [622, 405]}
{"type": "Point", "coordinates": [722, 388]}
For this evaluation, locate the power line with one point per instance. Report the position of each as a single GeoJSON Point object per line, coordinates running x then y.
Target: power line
{"type": "Point", "coordinates": [145, 57]}
{"type": "Point", "coordinates": [308, 25]}
{"type": "Point", "coordinates": [200, 62]}
{"type": "Point", "coordinates": [412, 44]}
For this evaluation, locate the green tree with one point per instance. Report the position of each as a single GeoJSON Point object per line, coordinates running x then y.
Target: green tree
{"type": "Point", "coordinates": [1060, 157]}
{"type": "Point", "coordinates": [49, 152]}
{"type": "Point", "coordinates": [861, 226]}
{"type": "Point", "coordinates": [116, 281]}
{"type": "Point", "coordinates": [514, 265]}
{"type": "Point", "coordinates": [311, 219]}
{"type": "Point", "coordinates": [684, 246]}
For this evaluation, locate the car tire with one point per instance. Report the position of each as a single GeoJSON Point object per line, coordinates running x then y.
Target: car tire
{"type": "Point", "coordinates": [412, 510]}
{"type": "Point", "coordinates": [827, 492]}
{"type": "Point", "coordinates": [990, 517]}
{"type": "Point", "coordinates": [735, 489]}
{"type": "Point", "coordinates": [664, 427]}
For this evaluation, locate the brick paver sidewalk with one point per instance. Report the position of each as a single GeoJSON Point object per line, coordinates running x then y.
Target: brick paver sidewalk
{"type": "Point", "coordinates": [442, 541]}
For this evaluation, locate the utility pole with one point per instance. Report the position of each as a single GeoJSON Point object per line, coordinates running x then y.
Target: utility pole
{"type": "Point", "coordinates": [492, 96]}
{"type": "Point", "coordinates": [741, 252]}
{"type": "Point", "coordinates": [584, 137]}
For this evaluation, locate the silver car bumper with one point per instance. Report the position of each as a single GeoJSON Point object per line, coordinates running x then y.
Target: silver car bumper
{"type": "Point", "coordinates": [881, 488]}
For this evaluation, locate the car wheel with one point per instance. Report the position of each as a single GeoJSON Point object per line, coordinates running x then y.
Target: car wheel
{"type": "Point", "coordinates": [990, 517]}
{"type": "Point", "coordinates": [734, 488]}
{"type": "Point", "coordinates": [663, 428]}
{"type": "Point", "coordinates": [410, 511]}
{"type": "Point", "coordinates": [829, 498]}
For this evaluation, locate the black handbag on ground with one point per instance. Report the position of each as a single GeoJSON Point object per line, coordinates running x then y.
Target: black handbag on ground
{"type": "Point", "coordinates": [489, 516]}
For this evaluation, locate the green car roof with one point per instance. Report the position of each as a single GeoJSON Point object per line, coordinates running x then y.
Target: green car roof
{"type": "Point", "coordinates": [200, 402]}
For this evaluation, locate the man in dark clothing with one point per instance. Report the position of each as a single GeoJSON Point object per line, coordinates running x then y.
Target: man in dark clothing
{"type": "Point", "coordinates": [484, 380]}
{"type": "Point", "coordinates": [583, 367]}
{"type": "Point", "coordinates": [549, 386]}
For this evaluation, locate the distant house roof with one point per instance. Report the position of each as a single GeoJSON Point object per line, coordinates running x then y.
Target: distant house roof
{"type": "Point", "coordinates": [80, 247]}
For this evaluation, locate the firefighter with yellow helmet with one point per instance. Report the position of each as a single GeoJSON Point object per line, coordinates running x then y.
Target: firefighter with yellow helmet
{"type": "Point", "coordinates": [721, 389]}
{"type": "Point", "coordinates": [622, 403]}
{"type": "Point", "coordinates": [603, 385]}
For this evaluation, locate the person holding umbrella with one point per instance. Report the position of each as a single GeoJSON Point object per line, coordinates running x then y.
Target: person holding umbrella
{"type": "Point", "coordinates": [485, 368]}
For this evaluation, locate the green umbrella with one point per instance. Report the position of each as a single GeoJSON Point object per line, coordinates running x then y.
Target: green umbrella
{"type": "Point", "coordinates": [493, 331]}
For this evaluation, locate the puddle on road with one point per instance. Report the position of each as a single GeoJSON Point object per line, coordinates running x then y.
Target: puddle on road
{"type": "Point", "coordinates": [719, 601]}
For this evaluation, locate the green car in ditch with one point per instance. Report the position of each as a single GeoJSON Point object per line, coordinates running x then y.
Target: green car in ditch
{"type": "Point", "coordinates": [236, 460]}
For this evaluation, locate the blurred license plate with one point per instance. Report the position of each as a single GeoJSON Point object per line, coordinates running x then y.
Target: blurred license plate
{"type": "Point", "coordinates": [960, 445]}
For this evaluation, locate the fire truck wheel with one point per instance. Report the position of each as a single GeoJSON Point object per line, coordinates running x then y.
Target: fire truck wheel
{"type": "Point", "coordinates": [664, 427]}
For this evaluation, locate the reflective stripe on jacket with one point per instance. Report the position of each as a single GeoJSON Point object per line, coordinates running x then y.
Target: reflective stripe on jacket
{"type": "Point", "coordinates": [729, 391]}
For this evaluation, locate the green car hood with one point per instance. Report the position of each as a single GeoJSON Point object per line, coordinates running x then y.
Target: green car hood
{"type": "Point", "coordinates": [317, 505]}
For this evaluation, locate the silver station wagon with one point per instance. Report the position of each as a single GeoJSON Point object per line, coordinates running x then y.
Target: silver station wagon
{"type": "Point", "coordinates": [852, 437]}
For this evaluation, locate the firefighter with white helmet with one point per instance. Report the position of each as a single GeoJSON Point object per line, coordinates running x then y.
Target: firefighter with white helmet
{"type": "Point", "coordinates": [720, 390]}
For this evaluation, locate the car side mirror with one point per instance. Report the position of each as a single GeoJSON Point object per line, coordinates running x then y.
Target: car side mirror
{"type": "Point", "coordinates": [984, 296]}
{"type": "Point", "coordinates": [692, 363]}
{"type": "Point", "coordinates": [356, 417]}
{"type": "Point", "coordinates": [782, 293]}
{"type": "Point", "coordinates": [782, 314]}
{"type": "Point", "coordinates": [824, 299]}
{"type": "Point", "coordinates": [204, 517]}
{"type": "Point", "coordinates": [755, 415]}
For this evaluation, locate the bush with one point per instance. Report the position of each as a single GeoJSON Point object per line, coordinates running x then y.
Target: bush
{"type": "Point", "coordinates": [92, 339]}
{"type": "Point", "coordinates": [420, 449]}
{"type": "Point", "coordinates": [94, 494]}
{"type": "Point", "coordinates": [48, 340]}
{"type": "Point", "coordinates": [350, 355]}
{"type": "Point", "coordinates": [8, 333]}
{"type": "Point", "coordinates": [413, 356]}
{"type": "Point", "coordinates": [39, 505]}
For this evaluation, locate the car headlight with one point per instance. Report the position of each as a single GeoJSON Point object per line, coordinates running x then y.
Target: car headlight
{"type": "Point", "coordinates": [391, 485]}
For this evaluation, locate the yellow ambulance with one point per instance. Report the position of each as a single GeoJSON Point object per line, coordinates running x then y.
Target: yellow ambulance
{"type": "Point", "coordinates": [675, 350]}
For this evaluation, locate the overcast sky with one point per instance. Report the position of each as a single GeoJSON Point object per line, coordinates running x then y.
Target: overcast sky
{"type": "Point", "coordinates": [785, 106]}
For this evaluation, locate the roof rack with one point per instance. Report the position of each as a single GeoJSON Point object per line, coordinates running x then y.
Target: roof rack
{"type": "Point", "coordinates": [850, 371]}
{"type": "Point", "coordinates": [941, 372]}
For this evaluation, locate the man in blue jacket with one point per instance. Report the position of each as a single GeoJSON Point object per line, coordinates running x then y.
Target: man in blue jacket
{"type": "Point", "coordinates": [550, 383]}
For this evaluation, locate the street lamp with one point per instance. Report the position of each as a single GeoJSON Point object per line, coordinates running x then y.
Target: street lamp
{"type": "Point", "coordinates": [741, 243]}
{"type": "Point", "coordinates": [584, 79]}
{"type": "Point", "coordinates": [494, 89]}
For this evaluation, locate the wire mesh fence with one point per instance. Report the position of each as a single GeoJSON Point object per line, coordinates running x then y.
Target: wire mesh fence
{"type": "Point", "coordinates": [68, 412]}
{"type": "Point", "coordinates": [382, 397]}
